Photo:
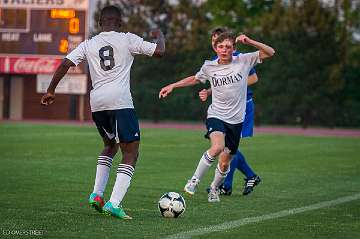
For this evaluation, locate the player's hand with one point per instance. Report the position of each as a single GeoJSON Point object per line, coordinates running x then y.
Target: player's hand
{"type": "Point", "coordinates": [243, 39]}
{"type": "Point", "coordinates": [47, 99]}
{"type": "Point", "coordinates": [165, 91]}
{"type": "Point", "coordinates": [203, 94]}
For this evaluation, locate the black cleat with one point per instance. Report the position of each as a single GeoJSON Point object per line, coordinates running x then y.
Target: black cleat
{"type": "Point", "coordinates": [250, 183]}
{"type": "Point", "coordinates": [224, 191]}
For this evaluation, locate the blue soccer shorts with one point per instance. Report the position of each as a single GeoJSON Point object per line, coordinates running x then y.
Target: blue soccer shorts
{"type": "Point", "coordinates": [121, 124]}
{"type": "Point", "coordinates": [231, 131]}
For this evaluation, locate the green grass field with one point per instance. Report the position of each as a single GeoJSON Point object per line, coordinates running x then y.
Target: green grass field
{"type": "Point", "coordinates": [47, 173]}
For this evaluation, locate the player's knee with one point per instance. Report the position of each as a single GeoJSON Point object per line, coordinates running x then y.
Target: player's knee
{"type": "Point", "coordinates": [216, 149]}
{"type": "Point", "coordinates": [225, 160]}
{"type": "Point", "coordinates": [130, 158]}
{"type": "Point", "coordinates": [110, 148]}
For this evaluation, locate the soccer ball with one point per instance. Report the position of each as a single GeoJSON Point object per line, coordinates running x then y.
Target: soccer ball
{"type": "Point", "coordinates": [171, 205]}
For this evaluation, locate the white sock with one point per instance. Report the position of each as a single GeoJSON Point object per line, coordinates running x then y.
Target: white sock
{"type": "Point", "coordinates": [102, 174]}
{"type": "Point", "coordinates": [203, 166]}
{"type": "Point", "coordinates": [122, 183]}
{"type": "Point", "coordinates": [219, 177]}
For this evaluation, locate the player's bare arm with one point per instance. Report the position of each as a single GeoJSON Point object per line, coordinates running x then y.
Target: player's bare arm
{"type": "Point", "coordinates": [265, 50]}
{"type": "Point", "coordinates": [62, 69]}
{"type": "Point", "coordinates": [160, 42]}
{"type": "Point", "coordinates": [252, 79]}
{"type": "Point", "coordinates": [188, 81]}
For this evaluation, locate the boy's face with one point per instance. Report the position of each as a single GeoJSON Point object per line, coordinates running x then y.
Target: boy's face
{"type": "Point", "coordinates": [224, 49]}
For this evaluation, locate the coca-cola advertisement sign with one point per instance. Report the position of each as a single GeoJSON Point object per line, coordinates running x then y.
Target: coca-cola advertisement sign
{"type": "Point", "coordinates": [31, 65]}
{"type": "Point", "coordinates": [2, 64]}
{"type": "Point", "coordinates": [34, 65]}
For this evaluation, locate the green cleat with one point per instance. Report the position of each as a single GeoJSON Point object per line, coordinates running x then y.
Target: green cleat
{"type": "Point", "coordinates": [118, 212]}
{"type": "Point", "coordinates": [97, 202]}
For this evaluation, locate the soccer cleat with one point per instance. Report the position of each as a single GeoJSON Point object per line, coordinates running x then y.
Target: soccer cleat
{"type": "Point", "coordinates": [213, 195]}
{"type": "Point", "coordinates": [191, 185]}
{"type": "Point", "coordinates": [250, 183]}
{"type": "Point", "coordinates": [96, 201]}
{"type": "Point", "coordinates": [223, 190]}
{"type": "Point", "coordinates": [118, 212]}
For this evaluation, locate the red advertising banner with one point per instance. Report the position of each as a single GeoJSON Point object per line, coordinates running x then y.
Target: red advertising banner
{"type": "Point", "coordinates": [31, 65]}
{"type": "Point", "coordinates": [2, 65]}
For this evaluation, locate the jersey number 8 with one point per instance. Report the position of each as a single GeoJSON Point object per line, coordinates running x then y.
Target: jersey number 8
{"type": "Point", "coordinates": [109, 58]}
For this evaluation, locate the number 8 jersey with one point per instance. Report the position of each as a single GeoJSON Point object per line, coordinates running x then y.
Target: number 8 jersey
{"type": "Point", "coordinates": [110, 56]}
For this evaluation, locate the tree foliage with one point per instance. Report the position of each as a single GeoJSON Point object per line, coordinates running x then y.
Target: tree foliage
{"type": "Point", "coordinates": [306, 81]}
{"type": "Point", "coordinates": [313, 79]}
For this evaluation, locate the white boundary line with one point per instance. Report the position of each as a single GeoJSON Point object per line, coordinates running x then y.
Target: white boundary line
{"type": "Point", "coordinates": [250, 220]}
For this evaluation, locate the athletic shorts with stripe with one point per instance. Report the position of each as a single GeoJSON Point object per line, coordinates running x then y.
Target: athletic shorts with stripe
{"type": "Point", "coordinates": [121, 124]}
{"type": "Point", "coordinates": [232, 132]}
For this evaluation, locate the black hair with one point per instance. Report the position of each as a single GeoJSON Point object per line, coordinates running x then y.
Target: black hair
{"type": "Point", "coordinates": [109, 10]}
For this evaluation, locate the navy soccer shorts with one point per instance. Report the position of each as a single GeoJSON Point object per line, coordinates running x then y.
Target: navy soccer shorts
{"type": "Point", "coordinates": [248, 124]}
{"type": "Point", "coordinates": [121, 124]}
{"type": "Point", "coordinates": [231, 131]}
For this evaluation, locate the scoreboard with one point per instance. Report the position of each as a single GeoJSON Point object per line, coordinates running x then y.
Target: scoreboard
{"type": "Point", "coordinates": [43, 32]}
{"type": "Point", "coordinates": [39, 33]}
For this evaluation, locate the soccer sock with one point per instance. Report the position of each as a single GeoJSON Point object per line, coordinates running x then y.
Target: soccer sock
{"type": "Point", "coordinates": [102, 174]}
{"type": "Point", "coordinates": [122, 183]}
{"type": "Point", "coordinates": [243, 166]}
{"type": "Point", "coordinates": [203, 166]}
{"type": "Point", "coordinates": [219, 177]}
{"type": "Point", "coordinates": [230, 176]}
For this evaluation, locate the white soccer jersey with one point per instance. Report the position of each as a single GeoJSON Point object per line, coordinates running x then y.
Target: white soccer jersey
{"type": "Point", "coordinates": [229, 86]}
{"type": "Point", "coordinates": [110, 56]}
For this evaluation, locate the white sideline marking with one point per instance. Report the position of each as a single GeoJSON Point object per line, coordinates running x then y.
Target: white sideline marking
{"type": "Point", "coordinates": [249, 220]}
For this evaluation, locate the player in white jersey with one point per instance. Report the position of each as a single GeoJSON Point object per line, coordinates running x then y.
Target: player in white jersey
{"type": "Point", "coordinates": [110, 55]}
{"type": "Point", "coordinates": [228, 79]}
